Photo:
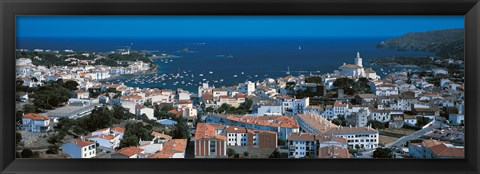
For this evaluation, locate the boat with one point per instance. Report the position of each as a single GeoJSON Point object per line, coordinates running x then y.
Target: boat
{"type": "Point", "coordinates": [201, 75]}
{"type": "Point", "coordinates": [235, 75]}
{"type": "Point", "coordinates": [299, 47]}
{"type": "Point", "coordinates": [210, 72]}
{"type": "Point", "coordinates": [243, 73]}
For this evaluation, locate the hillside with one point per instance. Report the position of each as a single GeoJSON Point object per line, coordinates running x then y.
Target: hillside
{"type": "Point", "coordinates": [445, 43]}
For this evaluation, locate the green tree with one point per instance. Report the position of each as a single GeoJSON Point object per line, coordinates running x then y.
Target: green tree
{"type": "Point", "coordinates": [128, 142]}
{"type": "Point", "coordinates": [18, 137]}
{"type": "Point", "coordinates": [166, 108]}
{"type": "Point", "coordinates": [422, 121]}
{"type": "Point", "coordinates": [224, 108]}
{"type": "Point", "coordinates": [100, 118]}
{"type": "Point", "coordinates": [53, 149]}
{"type": "Point", "coordinates": [313, 79]}
{"type": "Point", "coordinates": [28, 108]}
{"type": "Point", "coordinates": [139, 130]}
{"type": "Point", "coordinates": [230, 152]}
{"type": "Point", "coordinates": [181, 130]}
{"type": "Point", "coordinates": [19, 86]}
{"type": "Point", "coordinates": [339, 121]}
{"type": "Point", "coordinates": [343, 83]}
{"type": "Point", "coordinates": [27, 153]}
{"type": "Point", "coordinates": [209, 109]}
{"type": "Point", "coordinates": [71, 85]}
{"type": "Point", "coordinates": [362, 85]}
{"type": "Point", "coordinates": [18, 119]}
{"type": "Point", "coordinates": [245, 154]}
{"type": "Point", "coordinates": [120, 113]}
{"type": "Point", "coordinates": [382, 153]}
{"type": "Point", "coordinates": [50, 96]}
{"type": "Point", "coordinates": [148, 103]}
{"type": "Point", "coordinates": [376, 124]}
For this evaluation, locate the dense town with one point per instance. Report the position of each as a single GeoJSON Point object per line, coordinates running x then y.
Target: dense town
{"type": "Point", "coordinates": [69, 111]}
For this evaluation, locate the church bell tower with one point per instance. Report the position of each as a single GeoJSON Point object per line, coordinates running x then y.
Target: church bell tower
{"type": "Point", "coordinates": [358, 60]}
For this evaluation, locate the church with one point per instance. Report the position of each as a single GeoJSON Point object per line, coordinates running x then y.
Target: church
{"type": "Point", "coordinates": [357, 70]}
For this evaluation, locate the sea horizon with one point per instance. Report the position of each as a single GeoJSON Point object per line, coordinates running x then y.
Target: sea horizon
{"type": "Point", "coordinates": [229, 60]}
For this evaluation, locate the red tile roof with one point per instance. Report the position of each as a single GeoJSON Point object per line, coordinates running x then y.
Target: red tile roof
{"type": "Point", "coordinates": [118, 129]}
{"type": "Point", "coordinates": [181, 102]}
{"type": "Point", "coordinates": [102, 136]}
{"type": "Point", "coordinates": [161, 135]}
{"type": "Point", "coordinates": [35, 116]}
{"type": "Point", "coordinates": [130, 151]}
{"type": "Point", "coordinates": [207, 131]}
{"type": "Point", "coordinates": [298, 136]}
{"type": "Point", "coordinates": [338, 104]}
{"type": "Point", "coordinates": [235, 129]}
{"type": "Point", "coordinates": [82, 143]}
{"type": "Point", "coordinates": [442, 150]}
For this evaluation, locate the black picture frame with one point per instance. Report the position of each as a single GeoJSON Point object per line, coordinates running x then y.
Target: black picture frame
{"type": "Point", "coordinates": [11, 8]}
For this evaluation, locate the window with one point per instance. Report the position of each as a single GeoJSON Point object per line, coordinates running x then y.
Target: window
{"type": "Point", "coordinates": [212, 146]}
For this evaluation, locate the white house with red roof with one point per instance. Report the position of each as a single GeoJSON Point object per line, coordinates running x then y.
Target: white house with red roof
{"type": "Point", "coordinates": [35, 122]}
{"type": "Point", "coordinates": [80, 149]}
{"type": "Point", "coordinates": [107, 138]}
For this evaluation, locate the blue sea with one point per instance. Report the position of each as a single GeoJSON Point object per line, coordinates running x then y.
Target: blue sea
{"type": "Point", "coordinates": [226, 61]}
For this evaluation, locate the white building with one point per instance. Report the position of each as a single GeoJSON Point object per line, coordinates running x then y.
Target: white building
{"type": "Point", "coordinates": [268, 110]}
{"type": "Point", "coordinates": [339, 109]}
{"type": "Point", "coordinates": [80, 149]}
{"type": "Point", "coordinates": [140, 110]}
{"type": "Point", "coordinates": [301, 145]}
{"type": "Point", "coordinates": [35, 122]}
{"type": "Point", "coordinates": [291, 106]}
{"type": "Point", "coordinates": [410, 120]}
{"type": "Point", "coordinates": [357, 137]}
{"type": "Point", "coordinates": [355, 70]}
{"type": "Point", "coordinates": [380, 115]}
{"type": "Point", "coordinates": [104, 140]}
{"type": "Point", "coordinates": [385, 90]}
{"type": "Point", "coordinates": [237, 136]}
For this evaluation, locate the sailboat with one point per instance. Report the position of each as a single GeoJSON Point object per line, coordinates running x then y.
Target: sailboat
{"type": "Point", "coordinates": [299, 47]}
{"type": "Point", "coordinates": [288, 70]}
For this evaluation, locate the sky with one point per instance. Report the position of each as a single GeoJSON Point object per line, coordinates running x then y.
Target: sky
{"type": "Point", "coordinates": [229, 26]}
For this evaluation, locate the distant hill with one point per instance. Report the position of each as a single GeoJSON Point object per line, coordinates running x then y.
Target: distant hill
{"type": "Point", "coordinates": [445, 43]}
